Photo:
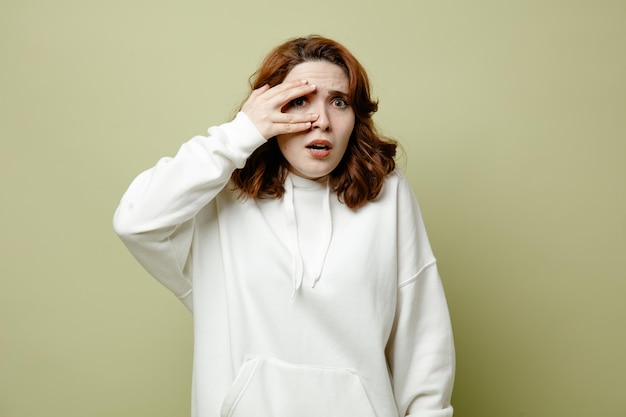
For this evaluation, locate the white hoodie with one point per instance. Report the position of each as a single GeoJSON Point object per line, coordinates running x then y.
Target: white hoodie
{"type": "Point", "coordinates": [302, 306]}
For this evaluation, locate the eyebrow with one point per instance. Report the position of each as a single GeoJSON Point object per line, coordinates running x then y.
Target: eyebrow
{"type": "Point", "coordinates": [337, 93]}
{"type": "Point", "coordinates": [334, 93]}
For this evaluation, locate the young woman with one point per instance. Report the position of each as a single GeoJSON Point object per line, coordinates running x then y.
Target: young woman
{"type": "Point", "coordinates": [301, 251]}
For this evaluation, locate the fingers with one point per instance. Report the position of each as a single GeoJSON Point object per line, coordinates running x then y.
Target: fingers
{"type": "Point", "coordinates": [300, 124]}
{"type": "Point", "coordinates": [287, 91]}
{"type": "Point", "coordinates": [292, 122]}
{"type": "Point", "coordinates": [282, 123]}
{"type": "Point", "coordinates": [279, 95]}
{"type": "Point", "coordinates": [265, 106]}
{"type": "Point", "coordinates": [290, 118]}
{"type": "Point", "coordinates": [259, 91]}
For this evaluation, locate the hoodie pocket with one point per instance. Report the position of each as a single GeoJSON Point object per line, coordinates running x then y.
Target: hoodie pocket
{"type": "Point", "coordinates": [267, 387]}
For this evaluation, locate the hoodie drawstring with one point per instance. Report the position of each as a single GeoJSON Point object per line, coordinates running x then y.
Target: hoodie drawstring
{"type": "Point", "coordinates": [327, 233]}
{"type": "Point", "coordinates": [326, 229]}
{"type": "Point", "coordinates": [297, 272]}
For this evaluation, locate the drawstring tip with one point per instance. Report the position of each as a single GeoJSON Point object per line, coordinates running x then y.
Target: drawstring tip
{"type": "Point", "coordinates": [314, 282]}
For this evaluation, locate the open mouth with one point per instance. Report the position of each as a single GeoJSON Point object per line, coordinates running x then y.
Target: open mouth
{"type": "Point", "coordinates": [319, 145]}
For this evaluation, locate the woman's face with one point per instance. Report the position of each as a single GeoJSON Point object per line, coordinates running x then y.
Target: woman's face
{"type": "Point", "coordinates": [316, 152]}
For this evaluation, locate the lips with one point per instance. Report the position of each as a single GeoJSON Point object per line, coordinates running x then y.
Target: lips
{"type": "Point", "coordinates": [319, 144]}
{"type": "Point", "coordinates": [319, 148]}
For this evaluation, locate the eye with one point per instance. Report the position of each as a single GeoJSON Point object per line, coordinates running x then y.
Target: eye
{"type": "Point", "coordinates": [340, 102]}
{"type": "Point", "coordinates": [298, 102]}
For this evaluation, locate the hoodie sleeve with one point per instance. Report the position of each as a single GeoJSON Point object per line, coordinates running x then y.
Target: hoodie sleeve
{"type": "Point", "coordinates": [155, 216]}
{"type": "Point", "coordinates": [420, 351]}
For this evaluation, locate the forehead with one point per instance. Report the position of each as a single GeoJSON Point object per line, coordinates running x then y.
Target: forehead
{"type": "Point", "coordinates": [325, 75]}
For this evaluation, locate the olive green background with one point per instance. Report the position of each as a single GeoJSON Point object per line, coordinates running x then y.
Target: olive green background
{"type": "Point", "coordinates": [512, 115]}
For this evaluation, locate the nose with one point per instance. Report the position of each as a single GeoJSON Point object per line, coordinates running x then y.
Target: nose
{"type": "Point", "coordinates": [323, 121]}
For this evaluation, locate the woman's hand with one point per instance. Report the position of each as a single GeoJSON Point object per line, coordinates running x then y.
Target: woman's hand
{"type": "Point", "coordinates": [265, 104]}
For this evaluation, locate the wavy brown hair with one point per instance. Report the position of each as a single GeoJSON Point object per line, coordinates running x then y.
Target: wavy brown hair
{"type": "Point", "coordinates": [369, 157]}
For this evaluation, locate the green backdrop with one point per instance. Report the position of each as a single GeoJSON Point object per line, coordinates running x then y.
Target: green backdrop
{"type": "Point", "coordinates": [512, 115]}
